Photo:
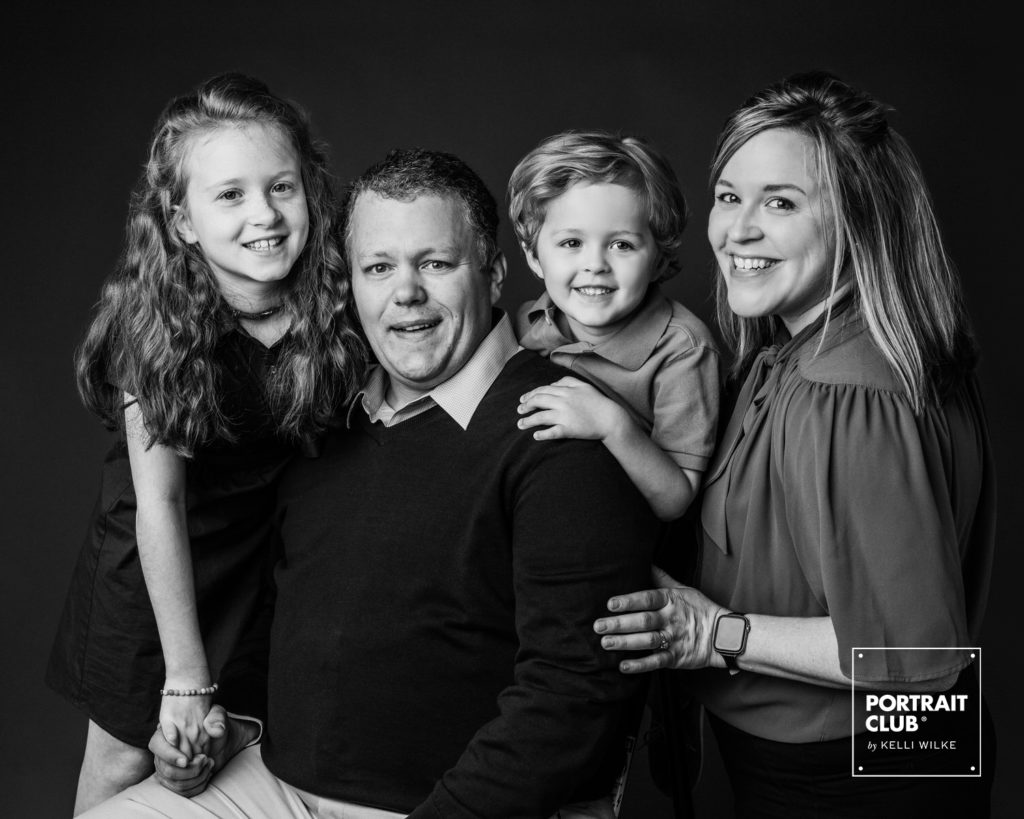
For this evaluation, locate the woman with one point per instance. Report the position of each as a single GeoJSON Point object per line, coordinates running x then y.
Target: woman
{"type": "Point", "coordinates": [851, 501]}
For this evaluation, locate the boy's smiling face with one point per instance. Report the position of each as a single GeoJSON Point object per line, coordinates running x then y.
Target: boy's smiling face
{"type": "Point", "coordinates": [596, 255]}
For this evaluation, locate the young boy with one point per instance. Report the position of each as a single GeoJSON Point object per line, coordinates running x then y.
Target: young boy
{"type": "Point", "coordinates": [600, 218]}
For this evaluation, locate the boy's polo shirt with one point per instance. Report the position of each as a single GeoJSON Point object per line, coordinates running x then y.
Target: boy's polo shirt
{"type": "Point", "coordinates": [662, 366]}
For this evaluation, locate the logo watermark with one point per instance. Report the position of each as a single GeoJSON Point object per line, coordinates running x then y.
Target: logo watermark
{"type": "Point", "coordinates": [916, 733]}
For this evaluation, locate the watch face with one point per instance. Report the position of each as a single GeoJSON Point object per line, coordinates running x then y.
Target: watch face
{"type": "Point", "coordinates": [729, 633]}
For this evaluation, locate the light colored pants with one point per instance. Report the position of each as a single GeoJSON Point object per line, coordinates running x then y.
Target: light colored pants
{"type": "Point", "coordinates": [245, 789]}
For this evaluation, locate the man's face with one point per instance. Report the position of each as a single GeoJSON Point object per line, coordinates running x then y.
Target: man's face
{"type": "Point", "coordinates": [422, 295]}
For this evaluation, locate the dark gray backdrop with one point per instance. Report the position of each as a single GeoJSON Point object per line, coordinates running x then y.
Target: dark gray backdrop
{"type": "Point", "coordinates": [485, 81]}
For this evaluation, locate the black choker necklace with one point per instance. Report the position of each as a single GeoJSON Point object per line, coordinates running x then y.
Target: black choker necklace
{"type": "Point", "coordinates": [257, 316]}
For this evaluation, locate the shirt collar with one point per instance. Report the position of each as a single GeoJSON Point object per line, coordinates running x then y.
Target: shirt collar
{"type": "Point", "coordinates": [630, 347]}
{"type": "Point", "coordinates": [461, 394]}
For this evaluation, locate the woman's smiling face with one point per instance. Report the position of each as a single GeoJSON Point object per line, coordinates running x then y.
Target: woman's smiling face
{"type": "Point", "coordinates": [767, 229]}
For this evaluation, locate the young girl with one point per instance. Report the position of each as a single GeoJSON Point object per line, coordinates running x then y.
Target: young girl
{"type": "Point", "coordinates": [219, 341]}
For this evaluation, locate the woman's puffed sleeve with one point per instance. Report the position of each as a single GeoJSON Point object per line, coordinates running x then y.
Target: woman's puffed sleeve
{"type": "Point", "coordinates": [880, 502]}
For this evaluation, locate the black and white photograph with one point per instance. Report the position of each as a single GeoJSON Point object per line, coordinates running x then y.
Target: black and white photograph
{"type": "Point", "coordinates": [506, 410]}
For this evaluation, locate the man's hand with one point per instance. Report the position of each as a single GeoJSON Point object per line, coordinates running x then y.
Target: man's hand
{"type": "Point", "coordinates": [226, 737]}
{"type": "Point", "coordinates": [570, 408]}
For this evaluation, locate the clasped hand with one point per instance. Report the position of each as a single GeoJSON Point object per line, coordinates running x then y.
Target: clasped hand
{"type": "Point", "coordinates": [674, 622]}
{"type": "Point", "coordinates": [190, 776]}
{"type": "Point", "coordinates": [181, 721]}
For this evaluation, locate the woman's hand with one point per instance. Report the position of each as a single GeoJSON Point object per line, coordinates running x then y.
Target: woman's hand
{"type": "Point", "coordinates": [181, 722]}
{"type": "Point", "coordinates": [570, 408]}
{"type": "Point", "coordinates": [674, 622]}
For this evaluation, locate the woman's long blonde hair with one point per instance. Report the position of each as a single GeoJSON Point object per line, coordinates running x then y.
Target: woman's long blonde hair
{"type": "Point", "coordinates": [887, 240]}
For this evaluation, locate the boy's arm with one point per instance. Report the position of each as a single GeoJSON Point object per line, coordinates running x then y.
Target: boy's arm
{"type": "Point", "coordinates": [571, 408]}
{"type": "Point", "coordinates": [668, 487]}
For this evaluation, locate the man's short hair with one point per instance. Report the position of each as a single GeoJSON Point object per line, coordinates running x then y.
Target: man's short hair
{"type": "Point", "coordinates": [408, 173]}
{"type": "Point", "coordinates": [599, 157]}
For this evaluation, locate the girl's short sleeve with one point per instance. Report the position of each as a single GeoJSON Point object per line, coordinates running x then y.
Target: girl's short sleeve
{"type": "Point", "coordinates": [875, 501]}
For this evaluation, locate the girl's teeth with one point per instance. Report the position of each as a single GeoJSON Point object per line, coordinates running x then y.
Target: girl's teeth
{"type": "Point", "coordinates": [593, 291]}
{"type": "Point", "coordinates": [264, 244]}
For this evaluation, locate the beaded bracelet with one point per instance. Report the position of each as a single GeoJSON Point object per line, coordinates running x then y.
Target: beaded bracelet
{"type": "Point", "coordinates": [188, 692]}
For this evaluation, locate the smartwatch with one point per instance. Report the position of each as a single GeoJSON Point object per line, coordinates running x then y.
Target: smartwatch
{"type": "Point", "coordinates": [730, 638]}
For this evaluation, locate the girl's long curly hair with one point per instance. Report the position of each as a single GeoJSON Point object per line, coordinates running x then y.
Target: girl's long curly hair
{"type": "Point", "coordinates": [161, 314]}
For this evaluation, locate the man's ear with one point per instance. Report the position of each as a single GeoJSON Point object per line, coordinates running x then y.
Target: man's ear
{"type": "Point", "coordinates": [532, 261]}
{"type": "Point", "coordinates": [496, 272]}
{"type": "Point", "coordinates": [183, 225]}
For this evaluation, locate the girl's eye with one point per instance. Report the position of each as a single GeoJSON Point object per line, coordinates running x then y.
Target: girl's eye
{"type": "Point", "coordinates": [779, 203]}
{"type": "Point", "coordinates": [283, 187]}
{"type": "Point", "coordinates": [621, 244]}
{"type": "Point", "coordinates": [230, 195]}
{"type": "Point", "coordinates": [572, 244]}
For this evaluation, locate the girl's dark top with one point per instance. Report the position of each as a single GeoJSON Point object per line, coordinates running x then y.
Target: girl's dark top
{"type": "Point", "coordinates": [107, 659]}
{"type": "Point", "coordinates": [829, 496]}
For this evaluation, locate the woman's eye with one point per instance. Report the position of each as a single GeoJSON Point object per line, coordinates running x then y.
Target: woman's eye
{"type": "Point", "coordinates": [727, 198]}
{"type": "Point", "coordinates": [779, 203]}
{"type": "Point", "coordinates": [378, 269]}
{"type": "Point", "coordinates": [436, 264]}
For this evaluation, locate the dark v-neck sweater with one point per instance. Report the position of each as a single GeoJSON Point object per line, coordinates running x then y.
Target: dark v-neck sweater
{"type": "Point", "coordinates": [433, 647]}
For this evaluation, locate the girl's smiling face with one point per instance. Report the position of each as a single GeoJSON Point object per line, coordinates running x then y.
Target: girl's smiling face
{"type": "Point", "coordinates": [246, 209]}
{"type": "Point", "coordinates": [767, 229]}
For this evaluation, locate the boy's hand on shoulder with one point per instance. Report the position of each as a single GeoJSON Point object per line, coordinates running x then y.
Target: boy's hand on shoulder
{"type": "Point", "coordinates": [570, 408]}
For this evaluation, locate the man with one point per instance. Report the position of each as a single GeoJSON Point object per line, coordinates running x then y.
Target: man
{"type": "Point", "coordinates": [432, 650]}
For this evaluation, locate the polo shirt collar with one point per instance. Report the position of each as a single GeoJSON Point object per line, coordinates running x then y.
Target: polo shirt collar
{"type": "Point", "coordinates": [629, 348]}
{"type": "Point", "coordinates": [461, 394]}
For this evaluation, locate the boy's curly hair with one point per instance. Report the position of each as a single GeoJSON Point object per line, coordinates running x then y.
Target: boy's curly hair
{"type": "Point", "coordinates": [590, 157]}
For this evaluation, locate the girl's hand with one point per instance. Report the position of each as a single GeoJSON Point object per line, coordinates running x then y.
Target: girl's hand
{"type": "Point", "coordinates": [570, 408]}
{"type": "Point", "coordinates": [181, 723]}
{"type": "Point", "coordinates": [673, 622]}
